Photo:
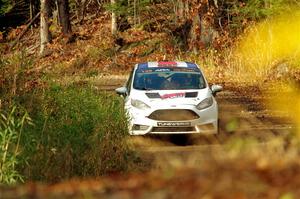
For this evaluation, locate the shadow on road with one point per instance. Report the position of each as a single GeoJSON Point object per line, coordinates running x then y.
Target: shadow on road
{"type": "Point", "coordinates": [239, 117]}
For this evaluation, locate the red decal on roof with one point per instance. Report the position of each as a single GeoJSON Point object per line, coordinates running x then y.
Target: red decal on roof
{"type": "Point", "coordinates": [172, 95]}
{"type": "Point", "coordinates": [167, 63]}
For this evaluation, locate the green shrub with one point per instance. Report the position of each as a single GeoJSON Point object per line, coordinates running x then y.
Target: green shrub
{"type": "Point", "coordinates": [243, 12]}
{"type": "Point", "coordinates": [5, 6]}
{"type": "Point", "coordinates": [77, 133]}
{"type": "Point", "coordinates": [11, 126]}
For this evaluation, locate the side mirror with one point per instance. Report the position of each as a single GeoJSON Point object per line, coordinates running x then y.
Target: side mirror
{"type": "Point", "coordinates": [216, 88]}
{"type": "Point", "coordinates": [121, 91]}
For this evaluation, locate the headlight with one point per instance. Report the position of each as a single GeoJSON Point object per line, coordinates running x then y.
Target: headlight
{"type": "Point", "coordinates": [207, 102]}
{"type": "Point", "coordinates": [139, 104]}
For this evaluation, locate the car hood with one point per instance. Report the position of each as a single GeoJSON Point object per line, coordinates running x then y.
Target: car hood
{"type": "Point", "coordinates": [171, 97]}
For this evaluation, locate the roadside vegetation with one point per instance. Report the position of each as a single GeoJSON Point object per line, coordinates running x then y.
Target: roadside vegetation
{"type": "Point", "coordinates": [75, 133]}
{"type": "Point", "coordinates": [57, 125]}
{"type": "Point", "coordinates": [51, 132]}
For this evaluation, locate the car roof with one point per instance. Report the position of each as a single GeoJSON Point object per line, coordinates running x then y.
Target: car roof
{"type": "Point", "coordinates": [167, 64]}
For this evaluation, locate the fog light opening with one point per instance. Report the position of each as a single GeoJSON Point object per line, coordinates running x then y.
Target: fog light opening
{"type": "Point", "coordinates": [206, 127]}
{"type": "Point", "coordinates": [137, 127]}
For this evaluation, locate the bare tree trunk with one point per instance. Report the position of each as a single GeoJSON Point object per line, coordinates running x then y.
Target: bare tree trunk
{"type": "Point", "coordinates": [180, 9]}
{"type": "Point", "coordinates": [63, 10]}
{"type": "Point", "coordinates": [195, 34]}
{"type": "Point", "coordinates": [84, 2]}
{"type": "Point", "coordinates": [44, 29]}
{"type": "Point", "coordinates": [81, 8]}
{"type": "Point", "coordinates": [113, 20]}
{"type": "Point", "coordinates": [56, 14]}
{"type": "Point", "coordinates": [33, 9]}
{"type": "Point", "coordinates": [134, 12]}
{"type": "Point", "coordinates": [30, 9]}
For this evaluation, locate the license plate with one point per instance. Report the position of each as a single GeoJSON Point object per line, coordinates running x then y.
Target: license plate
{"type": "Point", "coordinates": [173, 124]}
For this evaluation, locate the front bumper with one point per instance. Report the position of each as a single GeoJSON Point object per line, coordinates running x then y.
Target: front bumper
{"type": "Point", "coordinates": [206, 123]}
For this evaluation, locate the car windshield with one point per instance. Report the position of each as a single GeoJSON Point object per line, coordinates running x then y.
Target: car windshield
{"type": "Point", "coordinates": [168, 79]}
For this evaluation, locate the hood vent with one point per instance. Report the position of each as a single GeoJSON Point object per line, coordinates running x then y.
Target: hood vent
{"type": "Point", "coordinates": [157, 96]}
{"type": "Point", "coordinates": [153, 95]}
{"type": "Point", "coordinates": [191, 94]}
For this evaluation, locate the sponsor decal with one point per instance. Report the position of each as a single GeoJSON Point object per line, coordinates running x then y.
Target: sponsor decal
{"type": "Point", "coordinates": [147, 71]}
{"type": "Point", "coordinates": [167, 64]}
{"type": "Point", "coordinates": [172, 95]}
{"type": "Point", "coordinates": [162, 70]}
{"type": "Point", "coordinates": [169, 69]}
{"type": "Point", "coordinates": [173, 124]}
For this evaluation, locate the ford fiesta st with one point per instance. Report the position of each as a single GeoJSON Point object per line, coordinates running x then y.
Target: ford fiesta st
{"type": "Point", "coordinates": [170, 98]}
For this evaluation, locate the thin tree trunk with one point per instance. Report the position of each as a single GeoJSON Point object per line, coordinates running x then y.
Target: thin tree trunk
{"type": "Point", "coordinates": [180, 9]}
{"type": "Point", "coordinates": [56, 15]}
{"type": "Point", "coordinates": [113, 20]}
{"type": "Point", "coordinates": [186, 8]}
{"type": "Point", "coordinates": [195, 34]}
{"type": "Point", "coordinates": [31, 9]}
{"type": "Point", "coordinates": [44, 29]}
{"type": "Point", "coordinates": [63, 10]}
{"type": "Point", "coordinates": [81, 10]}
{"type": "Point", "coordinates": [138, 12]}
{"type": "Point", "coordinates": [84, 2]}
{"type": "Point", "coordinates": [134, 12]}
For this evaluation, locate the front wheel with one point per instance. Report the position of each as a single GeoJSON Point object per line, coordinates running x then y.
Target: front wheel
{"type": "Point", "coordinates": [222, 136]}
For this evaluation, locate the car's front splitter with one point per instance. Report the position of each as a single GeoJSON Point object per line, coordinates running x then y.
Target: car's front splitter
{"type": "Point", "coordinates": [207, 123]}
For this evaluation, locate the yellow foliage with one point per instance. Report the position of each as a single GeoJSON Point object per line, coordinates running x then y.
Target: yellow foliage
{"type": "Point", "coordinates": [271, 41]}
{"type": "Point", "coordinates": [288, 100]}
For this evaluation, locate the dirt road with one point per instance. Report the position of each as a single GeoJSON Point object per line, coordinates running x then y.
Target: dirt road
{"type": "Point", "coordinates": [242, 115]}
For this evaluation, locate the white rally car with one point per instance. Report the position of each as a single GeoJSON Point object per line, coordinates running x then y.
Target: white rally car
{"type": "Point", "coordinates": [170, 98]}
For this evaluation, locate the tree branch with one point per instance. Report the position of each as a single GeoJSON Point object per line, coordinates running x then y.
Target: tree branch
{"type": "Point", "coordinates": [24, 31]}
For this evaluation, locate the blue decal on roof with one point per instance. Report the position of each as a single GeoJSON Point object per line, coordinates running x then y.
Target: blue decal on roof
{"type": "Point", "coordinates": [191, 65]}
{"type": "Point", "coordinates": [143, 65]}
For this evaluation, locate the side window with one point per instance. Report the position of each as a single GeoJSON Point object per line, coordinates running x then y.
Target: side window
{"type": "Point", "coordinates": [129, 81]}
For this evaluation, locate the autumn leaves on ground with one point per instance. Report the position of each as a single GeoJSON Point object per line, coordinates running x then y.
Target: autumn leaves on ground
{"type": "Point", "coordinates": [64, 133]}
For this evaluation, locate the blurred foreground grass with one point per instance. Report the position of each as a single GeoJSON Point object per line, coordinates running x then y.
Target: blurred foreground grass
{"type": "Point", "coordinates": [270, 51]}
{"type": "Point", "coordinates": [244, 168]}
{"type": "Point", "coordinates": [270, 44]}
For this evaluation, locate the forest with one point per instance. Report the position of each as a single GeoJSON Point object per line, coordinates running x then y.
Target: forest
{"type": "Point", "coordinates": [64, 131]}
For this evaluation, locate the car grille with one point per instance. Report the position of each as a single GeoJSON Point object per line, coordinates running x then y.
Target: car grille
{"type": "Point", "coordinates": [173, 129]}
{"type": "Point", "coordinates": [157, 95]}
{"type": "Point", "coordinates": [173, 115]}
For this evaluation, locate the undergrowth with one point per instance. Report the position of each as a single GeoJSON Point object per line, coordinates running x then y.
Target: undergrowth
{"type": "Point", "coordinates": [11, 127]}
{"type": "Point", "coordinates": [77, 133]}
